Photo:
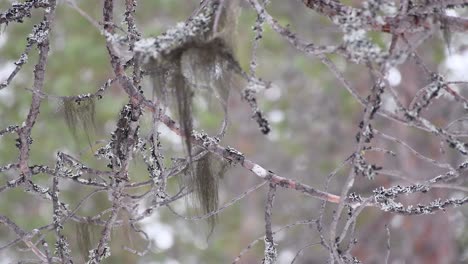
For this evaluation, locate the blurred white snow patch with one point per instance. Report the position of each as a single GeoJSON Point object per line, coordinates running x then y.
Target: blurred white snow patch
{"type": "Point", "coordinates": [7, 97]}
{"type": "Point", "coordinates": [389, 8]}
{"type": "Point", "coordinates": [276, 116]}
{"type": "Point", "coordinates": [170, 135]}
{"type": "Point", "coordinates": [3, 39]}
{"type": "Point", "coordinates": [167, 261]}
{"type": "Point", "coordinates": [281, 234]}
{"type": "Point", "coordinates": [457, 64]}
{"type": "Point", "coordinates": [393, 76]}
{"type": "Point", "coordinates": [201, 102]}
{"type": "Point", "coordinates": [274, 135]}
{"type": "Point", "coordinates": [180, 206]}
{"type": "Point", "coordinates": [389, 104]}
{"type": "Point", "coordinates": [5, 259]}
{"type": "Point", "coordinates": [185, 233]}
{"type": "Point", "coordinates": [200, 243]}
{"type": "Point", "coordinates": [273, 93]}
{"type": "Point", "coordinates": [286, 256]}
{"type": "Point", "coordinates": [451, 12]}
{"type": "Point", "coordinates": [161, 234]}
{"type": "Point", "coordinates": [171, 261]}
{"type": "Point", "coordinates": [396, 221]}
{"type": "Point", "coordinates": [458, 195]}
{"type": "Point", "coordinates": [6, 69]}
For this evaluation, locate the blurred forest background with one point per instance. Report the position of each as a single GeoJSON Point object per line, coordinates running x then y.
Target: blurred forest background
{"type": "Point", "coordinates": [313, 119]}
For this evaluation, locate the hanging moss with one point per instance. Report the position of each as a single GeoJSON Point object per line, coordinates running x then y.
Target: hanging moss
{"type": "Point", "coordinates": [208, 171]}
{"type": "Point", "coordinates": [79, 114]}
{"type": "Point", "coordinates": [84, 239]}
{"type": "Point", "coordinates": [205, 61]}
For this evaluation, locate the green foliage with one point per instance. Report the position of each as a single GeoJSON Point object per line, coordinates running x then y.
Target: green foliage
{"type": "Point", "coordinates": [380, 39]}
{"type": "Point", "coordinates": [438, 51]}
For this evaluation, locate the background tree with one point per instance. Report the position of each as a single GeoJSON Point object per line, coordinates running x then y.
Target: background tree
{"type": "Point", "coordinates": [342, 138]}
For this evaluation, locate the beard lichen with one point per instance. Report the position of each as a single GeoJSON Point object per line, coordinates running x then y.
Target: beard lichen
{"type": "Point", "coordinates": [80, 114]}
{"type": "Point", "coordinates": [205, 182]}
{"type": "Point", "coordinates": [197, 54]}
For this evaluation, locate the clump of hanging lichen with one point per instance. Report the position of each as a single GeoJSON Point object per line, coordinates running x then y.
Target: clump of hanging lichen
{"type": "Point", "coordinates": [197, 54]}
{"type": "Point", "coordinates": [84, 239]}
{"type": "Point", "coordinates": [79, 114]}
{"type": "Point", "coordinates": [206, 61]}
{"type": "Point", "coordinates": [209, 170]}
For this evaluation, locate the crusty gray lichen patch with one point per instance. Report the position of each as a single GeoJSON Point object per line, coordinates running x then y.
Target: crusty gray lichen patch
{"type": "Point", "coordinates": [183, 33]}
